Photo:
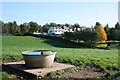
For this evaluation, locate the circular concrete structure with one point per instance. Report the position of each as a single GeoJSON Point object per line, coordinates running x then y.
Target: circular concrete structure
{"type": "Point", "coordinates": [39, 58]}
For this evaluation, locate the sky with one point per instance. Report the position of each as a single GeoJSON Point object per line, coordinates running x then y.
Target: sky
{"type": "Point", "coordinates": [83, 13]}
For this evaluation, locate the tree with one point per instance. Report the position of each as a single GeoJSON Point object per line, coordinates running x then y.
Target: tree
{"type": "Point", "coordinates": [1, 25]}
{"type": "Point", "coordinates": [88, 35]}
{"type": "Point", "coordinates": [25, 27]}
{"type": "Point", "coordinates": [114, 34]}
{"type": "Point", "coordinates": [118, 35]}
{"type": "Point", "coordinates": [5, 29]}
{"type": "Point", "coordinates": [59, 25]}
{"type": "Point", "coordinates": [69, 35]}
{"type": "Point", "coordinates": [40, 28]}
{"type": "Point", "coordinates": [102, 34]}
{"type": "Point", "coordinates": [97, 24]}
{"type": "Point", "coordinates": [77, 36]}
{"type": "Point", "coordinates": [45, 28]}
{"type": "Point", "coordinates": [107, 31]}
{"type": "Point", "coordinates": [76, 25]}
{"type": "Point", "coordinates": [67, 25]}
{"type": "Point", "coordinates": [16, 28]}
{"type": "Point", "coordinates": [117, 26]}
{"type": "Point", "coordinates": [53, 24]}
{"type": "Point", "coordinates": [11, 28]}
{"type": "Point", "coordinates": [33, 27]}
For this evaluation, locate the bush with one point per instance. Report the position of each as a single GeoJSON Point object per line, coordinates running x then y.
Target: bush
{"type": "Point", "coordinates": [89, 37]}
{"type": "Point", "coordinates": [60, 72]}
{"type": "Point", "coordinates": [69, 35]}
{"type": "Point", "coordinates": [51, 74]}
{"type": "Point", "coordinates": [69, 69]}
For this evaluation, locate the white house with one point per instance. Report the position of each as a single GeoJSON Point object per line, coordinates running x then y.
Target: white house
{"type": "Point", "coordinates": [61, 30]}
{"type": "Point", "coordinates": [56, 30]}
{"type": "Point", "coordinates": [76, 29]}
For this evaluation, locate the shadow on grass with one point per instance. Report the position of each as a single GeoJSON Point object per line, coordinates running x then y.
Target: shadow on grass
{"type": "Point", "coordinates": [58, 42]}
{"type": "Point", "coordinates": [62, 43]}
{"type": "Point", "coordinates": [18, 73]}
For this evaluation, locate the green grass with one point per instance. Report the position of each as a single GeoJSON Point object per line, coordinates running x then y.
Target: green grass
{"type": "Point", "coordinates": [12, 46]}
{"type": "Point", "coordinates": [3, 75]}
{"type": "Point", "coordinates": [51, 74]}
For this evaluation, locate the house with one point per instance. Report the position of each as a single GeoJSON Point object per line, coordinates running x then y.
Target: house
{"type": "Point", "coordinates": [60, 30]}
{"type": "Point", "coordinates": [56, 30]}
{"type": "Point", "coordinates": [76, 29]}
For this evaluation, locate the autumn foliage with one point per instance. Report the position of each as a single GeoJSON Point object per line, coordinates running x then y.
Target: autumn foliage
{"type": "Point", "coordinates": [102, 34]}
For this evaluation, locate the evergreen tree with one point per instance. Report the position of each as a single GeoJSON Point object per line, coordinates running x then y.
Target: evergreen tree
{"type": "Point", "coordinates": [107, 30]}
{"type": "Point", "coordinates": [117, 26]}
{"type": "Point", "coordinates": [97, 24]}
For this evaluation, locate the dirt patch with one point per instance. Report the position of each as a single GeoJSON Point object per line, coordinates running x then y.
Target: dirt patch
{"type": "Point", "coordinates": [38, 72]}
{"type": "Point", "coordinates": [71, 74]}
{"type": "Point", "coordinates": [84, 74]}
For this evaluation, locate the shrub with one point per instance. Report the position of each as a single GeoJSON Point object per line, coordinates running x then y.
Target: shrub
{"type": "Point", "coordinates": [51, 74]}
{"type": "Point", "coordinates": [81, 64]}
{"type": "Point", "coordinates": [68, 69]}
{"type": "Point", "coordinates": [60, 72]}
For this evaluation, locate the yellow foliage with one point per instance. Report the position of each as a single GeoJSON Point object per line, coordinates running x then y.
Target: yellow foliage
{"type": "Point", "coordinates": [102, 34]}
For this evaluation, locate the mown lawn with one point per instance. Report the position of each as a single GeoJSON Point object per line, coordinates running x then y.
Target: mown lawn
{"type": "Point", "coordinates": [12, 46]}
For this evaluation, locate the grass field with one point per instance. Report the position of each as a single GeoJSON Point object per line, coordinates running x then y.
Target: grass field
{"type": "Point", "coordinates": [12, 46]}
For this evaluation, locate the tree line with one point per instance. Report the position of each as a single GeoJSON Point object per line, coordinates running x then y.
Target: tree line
{"type": "Point", "coordinates": [92, 36]}
{"type": "Point", "coordinates": [113, 33]}
{"type": "Point", "coordinates": [12, 28]}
